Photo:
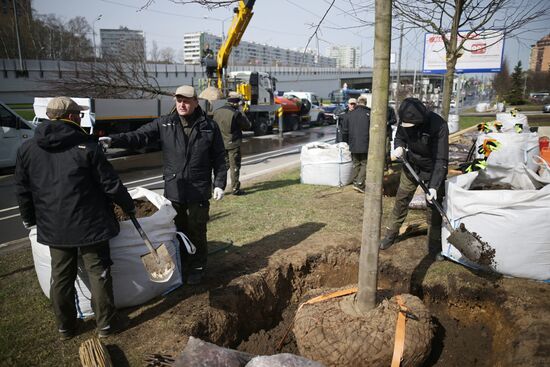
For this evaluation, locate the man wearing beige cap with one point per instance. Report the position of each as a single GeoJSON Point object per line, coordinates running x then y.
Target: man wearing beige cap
{"type": "Point", "coordinates": [232, 122]}
{"type": "Point", "coordinates": [352, 102]}
{"type": "Point", "coordinates": [193, 150]}
{"type": "Point", "coordinates": [66, 188]}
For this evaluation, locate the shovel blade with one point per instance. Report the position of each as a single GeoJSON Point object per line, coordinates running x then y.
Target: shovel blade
{"type": "Point", "coordinates": [471, 246]}
{"type": "Point", "coordinates": [159, 264]}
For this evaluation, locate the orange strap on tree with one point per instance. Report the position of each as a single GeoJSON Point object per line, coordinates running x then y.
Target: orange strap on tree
{"type": "Point", "coordinates": [399, 344]}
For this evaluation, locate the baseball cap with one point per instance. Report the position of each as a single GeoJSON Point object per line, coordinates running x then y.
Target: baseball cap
{"type": "Point", "coordinates": [186, 91]}
{"type": "Point", "coordinates": [60, 106]}
{"type": "Point", "coordinates": [352, 101]}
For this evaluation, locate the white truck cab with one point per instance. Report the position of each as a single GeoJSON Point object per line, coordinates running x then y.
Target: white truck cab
{"type": "Point", "coordinates": [316, 112]}
{"type": "Point", "coordinates": [14, 131]}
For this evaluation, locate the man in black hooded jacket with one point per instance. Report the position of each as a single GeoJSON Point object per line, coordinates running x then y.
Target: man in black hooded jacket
{"type": "Point", "coordinates": [422, 136]}
{"type": "Point", "coordinates": [66, 187]}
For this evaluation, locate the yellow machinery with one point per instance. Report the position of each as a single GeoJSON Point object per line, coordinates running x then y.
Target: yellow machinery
{"type": "Point", "coordinates": [243, 14]}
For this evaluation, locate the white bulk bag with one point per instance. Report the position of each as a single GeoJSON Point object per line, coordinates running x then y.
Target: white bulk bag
{"type": "Point", "coordinates": [453, 123]}
{"type": "Point", "coordinates": [131, 283]}
{"type": "Point", "coordinates": [513, 222]}
{"type": "Point", "coordinates": [326, 164]}
{"type": "Point", "coordinates": [508, 121]}
{"type": "Point", "coordinates": [515, 149]}
{"type": "Point", "coordinates": [482, 107]}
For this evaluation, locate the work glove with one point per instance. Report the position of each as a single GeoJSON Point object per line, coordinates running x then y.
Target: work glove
{"type": "Point", "coordinates": [431, 195]}
{"type": "Point", "coordinates": [398, 152]}
{"type": "Point", "coordinates": [218, 193]}
{"type": "Point", "coordinates": [105, 141]}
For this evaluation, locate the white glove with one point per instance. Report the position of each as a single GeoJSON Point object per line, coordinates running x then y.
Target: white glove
{"type": "Point", "coordinates": [432, 195]}
{"type": "Point", "coordinates": [105, 141]}
{"type": "Point", "coordinates": [218, 193]}
{"type": "Point", "coordinates": [398, 152]}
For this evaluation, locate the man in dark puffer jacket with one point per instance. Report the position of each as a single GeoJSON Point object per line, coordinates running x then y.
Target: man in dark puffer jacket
{"type": "Point", "coordinates": [66, 187]}
{"type": "Point", "coordinates": [426, 136]}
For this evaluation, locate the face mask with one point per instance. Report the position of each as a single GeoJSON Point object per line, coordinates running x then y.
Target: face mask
{"type": "Point", "coordinates": [407, 124]}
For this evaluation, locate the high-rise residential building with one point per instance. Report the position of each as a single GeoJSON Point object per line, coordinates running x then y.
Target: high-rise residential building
{"type": "Point", "coordinates": [251, 53]}
{"type": "Point", "coordinates": [346, 56]}
{"type": "Point", "coordinates": [540, 55]}
{"type": "Point", "coordinates": [122, 43]}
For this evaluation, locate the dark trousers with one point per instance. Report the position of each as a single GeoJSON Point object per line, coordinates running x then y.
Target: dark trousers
{"type": "Point", "coordinates": [405, 192]}
{"type": "Point", "coordinates": [191, 219]}
{"type": "Point", "coordinates": [233, 161]}
{"type": "Point", "coordinates": [359, 161]}
{"type": "Point", "coordinates": [97, 262]}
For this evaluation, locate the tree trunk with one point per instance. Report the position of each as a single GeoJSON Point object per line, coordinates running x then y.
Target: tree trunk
{"type": "Point", "coordinates": [451, 59]}
{"type": "Point", "coordinates": [372, 212]}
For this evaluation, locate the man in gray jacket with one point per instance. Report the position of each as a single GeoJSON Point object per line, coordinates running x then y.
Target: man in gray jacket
{"type": "Point", "coordinates": [232, 122]}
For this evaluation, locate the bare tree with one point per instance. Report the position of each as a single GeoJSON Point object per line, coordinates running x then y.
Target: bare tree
{"type": "Point", "coordinates": [446, 18]}
{"type": "Point", "coordinates": [167, 55]}
{"type": "Point", "coordinates": [126, 76]}
{"type": "Point", "coordinates": [154, 53]}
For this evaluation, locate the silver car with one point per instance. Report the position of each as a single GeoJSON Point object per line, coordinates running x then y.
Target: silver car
{"type": "Point", "coordinates": [546, 108]}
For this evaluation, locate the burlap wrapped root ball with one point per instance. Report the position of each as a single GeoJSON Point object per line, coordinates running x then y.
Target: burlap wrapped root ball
{"type": "Point", "coordinates": [211, 94]}
{"type": "Point", "coordinates": [326, 334]}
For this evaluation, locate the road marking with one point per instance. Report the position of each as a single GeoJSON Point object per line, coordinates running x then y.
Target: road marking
{"type": "Point", "coordinates": [10, 216]}
{"type": "Point", "coordinates": [7, 209]}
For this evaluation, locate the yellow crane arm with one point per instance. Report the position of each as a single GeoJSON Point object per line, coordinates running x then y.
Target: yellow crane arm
{"type": "Point", "coordinates": [238, 26]}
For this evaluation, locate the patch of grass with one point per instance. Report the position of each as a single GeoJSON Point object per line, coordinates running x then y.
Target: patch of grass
{"type": "Point", "coordinates": [467, 121]}
{"type": "Point", "coordinates": [17, 106]}
{"type": "Point", "coordinates": [26, 114]}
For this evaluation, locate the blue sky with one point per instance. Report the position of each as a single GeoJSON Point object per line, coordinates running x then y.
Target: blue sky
{"type": "Point", "coordinates": [284, 23]}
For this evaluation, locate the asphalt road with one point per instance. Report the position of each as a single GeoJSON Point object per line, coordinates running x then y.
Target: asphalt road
{"type": "Point", "coordinates": [261, 155]}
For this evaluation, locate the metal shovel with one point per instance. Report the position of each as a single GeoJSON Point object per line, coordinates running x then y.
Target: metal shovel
{"type": "Point", "coordinates": [158, 263]}
{"type": "Point", "coordinates": [466, 242]}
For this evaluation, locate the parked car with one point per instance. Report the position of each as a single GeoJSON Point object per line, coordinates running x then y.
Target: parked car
{"type": "Point", "coordinates": [546, 108]}
{"type": "Point", "coordinates": [14, 131]}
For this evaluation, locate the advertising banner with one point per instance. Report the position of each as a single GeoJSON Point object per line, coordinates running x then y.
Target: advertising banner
{"type": "Point", "coordinates": [482, 53]}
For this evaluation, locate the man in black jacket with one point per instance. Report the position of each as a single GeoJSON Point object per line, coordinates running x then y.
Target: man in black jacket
{"type": "Point", "coordinates": [425, 135]}
{"type": "Point", "coordinates": [66, 187]}
{"type": "Point", "coordinates": [232, 122]}
{"type": "Point", "coordinates": [193, 149]}
{"type": "Point", "coordinates": [355, 132]}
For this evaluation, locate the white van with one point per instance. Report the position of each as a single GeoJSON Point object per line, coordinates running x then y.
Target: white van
{"type": "Point", "coordinates": [316, 113]}
{"type": "Point", "coordinates": [14, 131]}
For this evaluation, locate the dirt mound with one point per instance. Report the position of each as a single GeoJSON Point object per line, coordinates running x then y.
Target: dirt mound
{"type": "Point", "coordinates": [144, 208]}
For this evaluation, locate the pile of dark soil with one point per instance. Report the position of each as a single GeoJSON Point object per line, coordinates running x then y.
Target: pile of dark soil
{"type": "Point", "coordinates": [144, 208]}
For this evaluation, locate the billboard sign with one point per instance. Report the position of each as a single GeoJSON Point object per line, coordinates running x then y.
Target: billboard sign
{"type": "Point", "coordinates": [483, 52]}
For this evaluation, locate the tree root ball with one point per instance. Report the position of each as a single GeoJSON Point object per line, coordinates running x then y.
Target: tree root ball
{"type": "Point", "coordinates": [329, 333]}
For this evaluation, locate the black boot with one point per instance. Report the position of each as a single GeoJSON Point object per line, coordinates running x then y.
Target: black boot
{"type": "Point", "coordinates": [389, 240]}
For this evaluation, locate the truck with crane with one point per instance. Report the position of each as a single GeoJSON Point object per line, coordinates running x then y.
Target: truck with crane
{"type": "Point", "coordinates": [257, 88]}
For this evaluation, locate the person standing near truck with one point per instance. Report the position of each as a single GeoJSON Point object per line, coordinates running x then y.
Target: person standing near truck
{"type": "Point", "coordinates": [193, 150]}
{"type": "Point", "coordinates": [425, 135]}
{"type": "Point", "coordinates": [66, 188]}
{"type": "Point", "coordinates": [232, 122]}
{"type": "Point", "coordinates": [355, 132]}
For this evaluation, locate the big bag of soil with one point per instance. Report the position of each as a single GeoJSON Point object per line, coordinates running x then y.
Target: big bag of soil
{"type": "Point", "coordinates": [513, 222]}
{"type": "Point", "coordinates": [131, 283]}
{"type": "Point", "coordinates": [326, 164]}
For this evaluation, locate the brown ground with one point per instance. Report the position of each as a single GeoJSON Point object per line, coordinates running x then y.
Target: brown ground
{"type": "Point", "coordinates": [250, 295]}
{"type": "Point", "coordinates": [144, 208]}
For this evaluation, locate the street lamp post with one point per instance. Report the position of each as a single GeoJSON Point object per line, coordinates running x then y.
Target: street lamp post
{"type": "Point", "coordinates": [222, 22]}
{"type": "Point", "coordinates": [93, 36]}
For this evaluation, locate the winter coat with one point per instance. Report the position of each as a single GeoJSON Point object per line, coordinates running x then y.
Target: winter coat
{"type": "Point", "coordinates": [188, 162]}
{"type": "Point", "coordinates": [428, 148]}
{"type": "Point", "coordinates": [232, 122]}
{"type": "Point", "coordinates": [355, 129]}
{"type": "Point", "coordinates": [66, 186]}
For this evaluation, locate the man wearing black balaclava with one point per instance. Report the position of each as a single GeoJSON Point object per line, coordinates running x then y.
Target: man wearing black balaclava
{"type": "Point", "coordinates": [422, 136]}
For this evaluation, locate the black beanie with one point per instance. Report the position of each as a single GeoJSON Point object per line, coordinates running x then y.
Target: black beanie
{"type": "Point", "coordinates": [413, 111]}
